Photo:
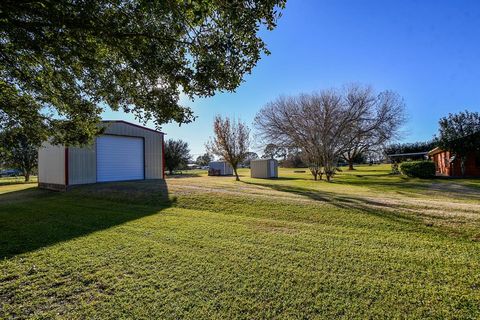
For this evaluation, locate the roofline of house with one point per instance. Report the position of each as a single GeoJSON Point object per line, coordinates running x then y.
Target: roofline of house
{"type": "Point", "coordinates": [132, 124]}
{"type": "Point", "coordinates": [435, 151]}
{"type": "Point", "coordinates": [407, 154]}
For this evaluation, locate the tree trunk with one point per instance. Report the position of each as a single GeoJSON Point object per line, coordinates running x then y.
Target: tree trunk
{"type": "Point", "coordinates": [328, 177]}
{"type": "Point", "coordinates": [462, 164]}
{"type": "Point", "coordinates": [350, 165]}
{"type": "Point", "coordinates": [329, 174]}
{"type": "Point", "coordinates": [27, 176]}
{"type": "Point", "coordinates": [237, 178]}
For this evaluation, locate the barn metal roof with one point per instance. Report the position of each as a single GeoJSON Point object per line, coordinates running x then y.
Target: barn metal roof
{"type": "Point", "coordinates": [132, 124]}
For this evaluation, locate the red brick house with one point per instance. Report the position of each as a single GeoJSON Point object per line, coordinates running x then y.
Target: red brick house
{"type": "Point", "coordinates": [447, 164]}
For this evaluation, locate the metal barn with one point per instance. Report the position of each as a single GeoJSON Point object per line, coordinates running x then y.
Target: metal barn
{"type": "Point", "coordinates": [264, 168]}
{"type": "Point", "coordinates": [125, 151]}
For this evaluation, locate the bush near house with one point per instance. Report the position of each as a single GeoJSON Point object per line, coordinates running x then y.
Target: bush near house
{"type": "Point", "coordinates": [418, 169]}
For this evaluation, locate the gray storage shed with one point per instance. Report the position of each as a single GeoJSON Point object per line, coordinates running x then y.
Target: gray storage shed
{"type": "Point", "coordinates": [125, 151]}
{"type": "Point", "coordinates": [219, 168]}
{"type": "Point", "coordinates": [264, 168]}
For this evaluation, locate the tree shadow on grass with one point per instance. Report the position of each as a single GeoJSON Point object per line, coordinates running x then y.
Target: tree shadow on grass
{"type": "Point", "coordinates": [20, 194]}
{"type": "Point", "coordinates": [33, 219]}
{"type": "Point", "coordinates": [287, 178]}
{"type": "Point", "coordinates": [348, 202]}
{"type": "Point", "coordinates": [13, 182]}
{"type": "Point", "coordinates": [182, 175]}
{"type": "Point", "coordinates": [390, 211]}
{"type": "Point", "coordinates": [413, 186]}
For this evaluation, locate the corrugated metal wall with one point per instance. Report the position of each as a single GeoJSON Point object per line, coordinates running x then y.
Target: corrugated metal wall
{"type": "Point", "coordinates": [223, 168]}
{"type": "Point", "coordinates": [275, 164]}
{"type": "Point", "coordinates": [82, 164]}
{"type": "Point", "coordinates": [261, 168]}
{"type": "Point", "coordinates": [82, 161]}
{"type": "Point", "coordinates": [51, 164]}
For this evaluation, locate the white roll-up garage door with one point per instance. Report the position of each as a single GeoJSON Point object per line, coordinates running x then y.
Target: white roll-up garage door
{"type": "Point", "coordinates": [119, 158]}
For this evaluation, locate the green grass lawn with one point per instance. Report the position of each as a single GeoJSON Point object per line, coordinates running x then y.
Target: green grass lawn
{"type": "Point", "coordinates": [368, 245]}
{"type": "Point", "coordinates": [16, 180]}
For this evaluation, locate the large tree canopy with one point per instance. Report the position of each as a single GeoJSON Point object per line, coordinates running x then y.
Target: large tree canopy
{"type": "Point", "coordinates": [460, 132]}
{"type": "Point", "coordinates": [177, 154]}
{"type": "Point", "coordinates": [19, 150]}
{"type": "Point", "coordinates": [77, 57]}
{"type": "Point", "coordinates": [22, 130]}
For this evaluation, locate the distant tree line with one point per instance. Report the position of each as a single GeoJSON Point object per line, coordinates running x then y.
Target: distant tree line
{"type": "Point", "coordinates": [412, 147]}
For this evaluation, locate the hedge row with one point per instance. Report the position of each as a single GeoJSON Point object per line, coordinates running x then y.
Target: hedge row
{"type": "Point", "coordinates": [418, 169]}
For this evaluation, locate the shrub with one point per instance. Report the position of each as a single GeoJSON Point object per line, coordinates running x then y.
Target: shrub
{"type": "Point", "coordinates": [418, 169]}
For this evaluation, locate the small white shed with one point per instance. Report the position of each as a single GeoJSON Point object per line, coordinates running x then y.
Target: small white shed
{"type": "Point", "coordinates": [264, 168]}
{"type": "Point", "coordinates": [219, 168]}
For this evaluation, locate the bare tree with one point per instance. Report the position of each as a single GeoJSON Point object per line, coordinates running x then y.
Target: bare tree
{"type": "Point", "coordinates": [231, 141]}
{"type": "Point", "coordinates": [309, 122]}
{"type": "Point", "coordinates": [288, 122]}
{"type": "Point", "coordinates": [315, 164]}
{"type": "Point", "coordinates": [320, 124]}
{"type": "Point", "coordinates": [382, 116]}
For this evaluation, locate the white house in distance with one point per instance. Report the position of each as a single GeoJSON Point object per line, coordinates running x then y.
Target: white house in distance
{"type": "Point", "coordinates": [125, 151]}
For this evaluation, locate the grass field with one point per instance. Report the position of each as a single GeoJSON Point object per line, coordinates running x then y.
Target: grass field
{"type": "Point", "coordinates": [16, 180]}
{"type": "Point", "coordinates": [368, 245]}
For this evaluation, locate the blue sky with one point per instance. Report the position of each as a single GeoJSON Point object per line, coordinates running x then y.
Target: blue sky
{"type": "Point", "coordinates": [427, 51]}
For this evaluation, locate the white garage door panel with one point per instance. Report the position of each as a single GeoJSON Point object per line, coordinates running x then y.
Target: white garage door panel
{"type": "Point", "coordinates": [119, 158]}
